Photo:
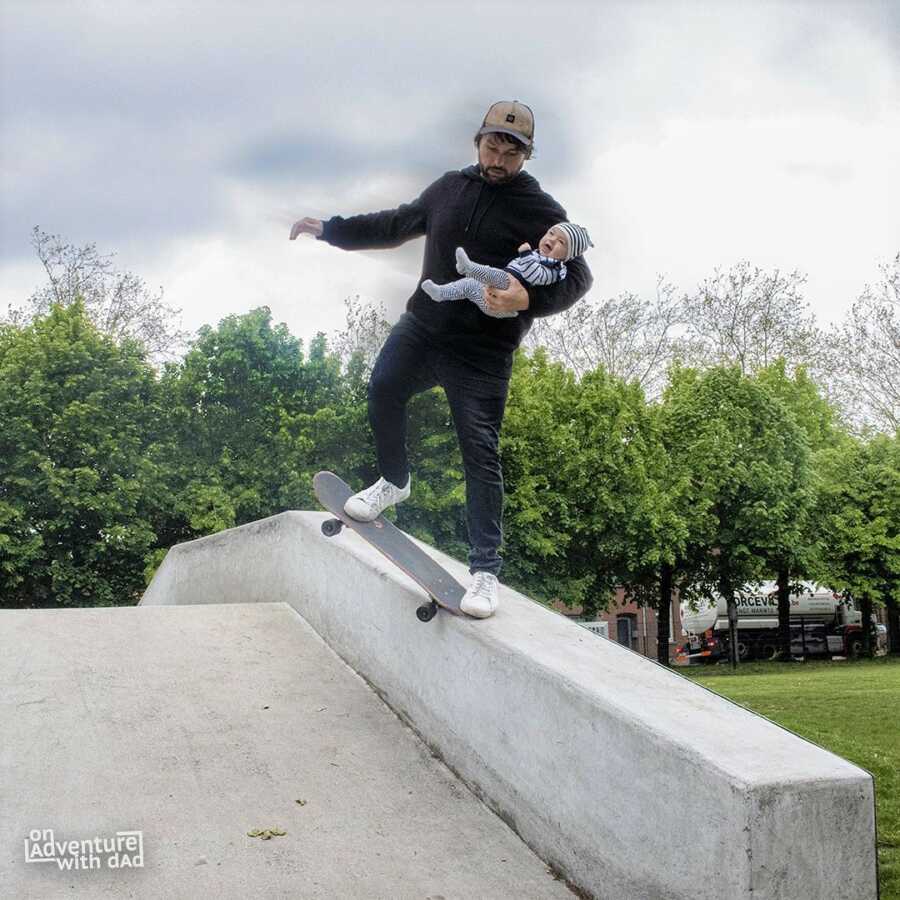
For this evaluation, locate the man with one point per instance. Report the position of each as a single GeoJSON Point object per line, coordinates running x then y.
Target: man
{"type": "Point", "coordinates": [488, 209]}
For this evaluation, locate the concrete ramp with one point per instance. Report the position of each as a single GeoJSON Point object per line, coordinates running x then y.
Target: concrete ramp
{"type": "Point", "coordinates": [191, 727]}
{"type": "Point", "coordinates": [633, 782]}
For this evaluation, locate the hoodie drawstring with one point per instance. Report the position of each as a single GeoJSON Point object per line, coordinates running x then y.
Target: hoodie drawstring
{"type": "Point", "coordinates": [521, 179]}
{"type": "Point", "coordinates": [484, 212]}
{"type": "Point", "coordinates": [487, 206]}
{"type": "Point", "coordinates": [474, 206]}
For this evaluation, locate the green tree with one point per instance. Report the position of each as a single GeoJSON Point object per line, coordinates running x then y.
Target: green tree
{"type": "Point", "coordinates": [540, 515]}
{"type": "Point", "coordinates": [247, 411]}
{"type": "Point", "coordinates": [858, 515]}
{"type": "Point", "coordinates": [628, 502]}
{"type": "Point", "coordinates": [580, 500]}
{"type": "Point", "coordinates": [793, 556]}
{"type": "Point", "coordinates": [747, 458]}
{"type": "Point", "coordinates": [80, 472]}
{"type": "Point", "coordinates": [667, 555]}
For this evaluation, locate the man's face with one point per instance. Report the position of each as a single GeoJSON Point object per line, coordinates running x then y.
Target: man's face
{"type": "Point", "coordinates": [499, 160]}
{"type": "Point", "coordinates": [554, 244]}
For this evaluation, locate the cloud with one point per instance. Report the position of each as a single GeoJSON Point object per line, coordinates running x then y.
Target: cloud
{"type": "Point", "coordinates": [134, 124]}
{"type": "Point", "coordinates": [188, 137]}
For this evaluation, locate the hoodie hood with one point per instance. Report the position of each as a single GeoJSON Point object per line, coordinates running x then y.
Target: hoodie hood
{"type": "Point", "coordinates": [521, 185]}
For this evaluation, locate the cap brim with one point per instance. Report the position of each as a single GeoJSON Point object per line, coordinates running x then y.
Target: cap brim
{"type": "Point", "coordinates": [494, 129]}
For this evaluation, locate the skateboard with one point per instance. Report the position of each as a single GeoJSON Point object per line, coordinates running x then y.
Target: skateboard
{"type": "Point", "coordinates": [442, 588]}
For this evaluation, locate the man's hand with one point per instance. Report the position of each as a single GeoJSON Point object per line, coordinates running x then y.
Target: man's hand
{"type": "Point", "coordinates": [307, 226]}
{"type": "Point", "coordinates": [513, 299]}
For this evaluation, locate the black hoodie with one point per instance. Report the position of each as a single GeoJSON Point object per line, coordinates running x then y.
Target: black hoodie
{"type": "Point", "coordinates": [489, 221]}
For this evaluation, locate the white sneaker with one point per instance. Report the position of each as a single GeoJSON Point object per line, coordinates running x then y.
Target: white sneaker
{"type": "Point", "coordinates": [370, 503]}
{"type": "Point", "coordinates": [481, 598]}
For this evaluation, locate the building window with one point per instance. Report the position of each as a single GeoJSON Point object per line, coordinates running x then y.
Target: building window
{"type": "Point", "coordinates": [626, 630]}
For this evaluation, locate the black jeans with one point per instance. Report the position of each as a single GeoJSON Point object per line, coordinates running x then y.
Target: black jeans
{"type": "Point", "coordinates": [410, 363]}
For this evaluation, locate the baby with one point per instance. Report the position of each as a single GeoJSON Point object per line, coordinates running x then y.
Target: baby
{"type": "Point", "coordinates": [546, 265]}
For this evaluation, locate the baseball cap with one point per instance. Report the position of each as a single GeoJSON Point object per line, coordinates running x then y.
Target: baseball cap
{"type": "Point", "coordinates": [512, 118]}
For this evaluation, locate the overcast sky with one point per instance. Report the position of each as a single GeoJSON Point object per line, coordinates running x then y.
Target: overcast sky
{"type": "Point", "coordinates": [188, 137]}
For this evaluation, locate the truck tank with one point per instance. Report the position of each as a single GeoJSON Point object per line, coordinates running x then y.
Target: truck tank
{"type": "Point", "coordinates": [758, 608]}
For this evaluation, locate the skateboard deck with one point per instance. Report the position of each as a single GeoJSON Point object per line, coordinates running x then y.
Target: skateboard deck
{"type": "Point", "coordinates": [443, 589]}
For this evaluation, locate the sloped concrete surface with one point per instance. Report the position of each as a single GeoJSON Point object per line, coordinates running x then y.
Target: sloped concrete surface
{"type": "Point", "coordinates": [195, 725]}
{"type": "Point", "coordinates": [634, 782]}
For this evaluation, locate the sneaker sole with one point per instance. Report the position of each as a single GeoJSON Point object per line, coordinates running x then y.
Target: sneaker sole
{"type": "Point", "coordinates": [477, 614]}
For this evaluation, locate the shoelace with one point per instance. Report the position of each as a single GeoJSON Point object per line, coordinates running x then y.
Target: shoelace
{"type": "Point", "coordinates": [378, 491]}
{"type": "Point", "coordinates": [482, 586]}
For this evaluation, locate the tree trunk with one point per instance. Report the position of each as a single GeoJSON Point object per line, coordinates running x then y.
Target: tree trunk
{"type": "Point", "coordinates": [893, 624]}
{"type": "Point", "coordinates": [784, 615]}
{"type": "Point", "coordinates": [865, 610]}
{"type": "Point", "coordinates": [663, 615]}
{"type": "Point", "coordinates": [732, 631]}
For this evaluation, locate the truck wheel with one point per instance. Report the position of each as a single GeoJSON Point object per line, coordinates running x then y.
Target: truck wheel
{"type": "Point", "coordinates": [743, 649]}
{"type": "Point", "coordinates": [768, 652]}
{"type": "Point", "coordinates": [854, 647]}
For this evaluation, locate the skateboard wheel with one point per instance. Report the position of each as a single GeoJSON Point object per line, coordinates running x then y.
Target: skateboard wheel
{"type": "Point", "coordinates": [331, 527]}
{"type": "Point", "coordinates": [427, 613]}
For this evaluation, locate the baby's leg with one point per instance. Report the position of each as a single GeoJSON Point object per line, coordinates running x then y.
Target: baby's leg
{"type": "Point", "coordinates": [485, 274]}
{"type": "Point", "coordinates": [463, 289]}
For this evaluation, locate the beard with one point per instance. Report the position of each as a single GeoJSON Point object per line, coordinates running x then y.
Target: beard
{"type": "Point", "coordinates": [496, 176]}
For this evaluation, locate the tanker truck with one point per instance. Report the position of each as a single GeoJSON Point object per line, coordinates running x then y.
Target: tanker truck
{"type": "Point", "coordinates": [823, 624]}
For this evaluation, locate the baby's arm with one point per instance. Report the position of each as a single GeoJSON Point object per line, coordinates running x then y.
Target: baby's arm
{"type": "Point", "coordinates": [524, 247]}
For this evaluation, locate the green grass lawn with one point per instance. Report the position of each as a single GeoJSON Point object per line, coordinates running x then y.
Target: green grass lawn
{"type": "Point", "coordinates": [850, 708]}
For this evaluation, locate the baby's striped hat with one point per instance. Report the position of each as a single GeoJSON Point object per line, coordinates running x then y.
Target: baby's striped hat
{"type": "Point", "coordinates": [577, 237]}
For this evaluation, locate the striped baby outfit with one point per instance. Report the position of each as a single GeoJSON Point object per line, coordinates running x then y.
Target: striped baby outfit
{"type": "Point", "coordinates": [529, 266]}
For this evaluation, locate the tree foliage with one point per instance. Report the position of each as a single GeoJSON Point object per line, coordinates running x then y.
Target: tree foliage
{"type": "Point", "coordinates": [748, 463]}
{"type": "Point", "coordinates": [366, 329]}
{"type": "Point", "coordinates": [750, 318]}
{"type": "Point", "coordinates": [80, 473]}
{"type": "Point", "coordinates": [629, 337]}
{"type": "Point", "coordinates": [118, 303]}
{"type": "Point", "coordinates": [248, 411]}
{"type": "Point", "coordinates": [541, 514]}
{"type": "Point", "coordinates": [585, 509]}
{"type": "Point", "coordinates": [106, 462]}
{"type": "Point", "coordinates": [858, 515]}
{"type": "Point", "coordinates": [863, 365]}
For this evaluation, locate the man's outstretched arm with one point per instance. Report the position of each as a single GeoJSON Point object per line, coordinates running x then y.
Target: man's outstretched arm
{"type": "Point", "coordinates": [370, 231]}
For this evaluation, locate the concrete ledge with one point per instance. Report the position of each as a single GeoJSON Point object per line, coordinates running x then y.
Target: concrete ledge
{"type": "Point", "coordinates": [625, 776]}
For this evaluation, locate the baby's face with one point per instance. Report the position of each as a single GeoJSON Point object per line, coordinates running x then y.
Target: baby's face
{"type": "Point", "coordinates": [554, 244]}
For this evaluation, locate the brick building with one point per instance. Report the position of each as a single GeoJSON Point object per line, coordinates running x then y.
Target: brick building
{"type": "Point", "coordinates": [631, 625]}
